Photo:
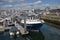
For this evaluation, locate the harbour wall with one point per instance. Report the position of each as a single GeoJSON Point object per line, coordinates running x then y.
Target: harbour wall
{"type": "Point", "coordinates": [52, 20]}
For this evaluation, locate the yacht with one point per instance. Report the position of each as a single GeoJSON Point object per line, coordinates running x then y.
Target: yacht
{"type": "Point", "coordinates": [33, 22]}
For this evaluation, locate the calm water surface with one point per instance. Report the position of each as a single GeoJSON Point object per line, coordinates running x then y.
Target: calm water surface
{"type": "Point", "coordinates": [46, 33]}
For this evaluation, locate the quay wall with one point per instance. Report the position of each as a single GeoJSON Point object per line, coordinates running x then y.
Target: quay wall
{"type": "Point", "coordinates": [51, 19]}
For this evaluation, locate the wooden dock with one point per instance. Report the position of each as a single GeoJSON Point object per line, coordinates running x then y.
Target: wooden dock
{"type": "Point", "coordinates": [21, 29]}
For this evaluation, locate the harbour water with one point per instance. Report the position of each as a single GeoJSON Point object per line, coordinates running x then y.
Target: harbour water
{"type": "Point", "coordinates": [47, 32]}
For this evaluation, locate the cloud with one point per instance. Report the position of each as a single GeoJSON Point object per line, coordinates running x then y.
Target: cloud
{"type": "Point", "coordinates": [11, 0]}
{"type": "Point", "coordinates": [37, 2]}
{"type": "Point", "coordinates": [1, 3]}
{"type": "Point", "coordinates": [7, 6]}
{"type": "Point", "coordinates": [1, 0]}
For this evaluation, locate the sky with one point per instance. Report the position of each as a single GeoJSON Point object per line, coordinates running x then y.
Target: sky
{"type": "Point", "coordinates": [28, 4]}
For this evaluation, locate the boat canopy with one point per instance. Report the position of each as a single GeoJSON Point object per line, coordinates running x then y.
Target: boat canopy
{"type": "Point", "coordinates": [30, 16]}
{"type": "Point", "coordinates": [13, 29]}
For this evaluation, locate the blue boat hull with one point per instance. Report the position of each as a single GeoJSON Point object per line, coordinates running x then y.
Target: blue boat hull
{"type": "Point", "coordinates": [33, 26]}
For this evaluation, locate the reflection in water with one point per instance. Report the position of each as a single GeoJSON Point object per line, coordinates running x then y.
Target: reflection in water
{"type": "Point", "coordinates": [37, 35]}
{"type": "Point", "coordinates": [34, 36]}
{"type": "Point", "coordinates": [31, 36]}
{"type": "Point", "coordinates": [50, 32]}
{"type": "Point", "coordinates": [46, 33]}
